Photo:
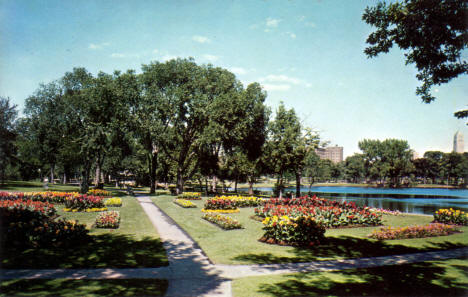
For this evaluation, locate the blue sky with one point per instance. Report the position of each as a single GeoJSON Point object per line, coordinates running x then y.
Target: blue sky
{"type": "Point", "coordinates": [308, 54]}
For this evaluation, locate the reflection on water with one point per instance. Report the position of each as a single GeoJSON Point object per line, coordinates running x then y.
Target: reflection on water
{"type": "Point", "coordinates": [410, 200]}
{"type": "Point", "coordinates": [409, 205]}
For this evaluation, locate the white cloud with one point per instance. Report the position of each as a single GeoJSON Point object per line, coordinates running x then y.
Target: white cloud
{"type": "Point", "coordinates": [282, 82]}
{"type": "Point", "coordinates": [281, 78]}
{"type": "Point", "coordinates": [280, 87]}
{"type": "Point", "coordinates": [302, 19]}
{"type": "Point", "coordinates": [155, 51]}
{"type": "Point", "coordinates": [97, 46]}
{"type": "Point", "coordinates": [201, 39]}
{"type": "Point", "coordinates": [210, 58]}
{"type": "Point", "coordinates": [290, 34]}
{"type": "Point", "coordinates": [238, 70]}
{"type": "Point", "coordinates": [166, 57]}
{"type": "Point", "coordinates": [118, 55]}
{"type": "Point", "coordinates": [272, 23]}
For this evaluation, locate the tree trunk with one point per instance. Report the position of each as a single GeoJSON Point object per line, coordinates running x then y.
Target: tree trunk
{"type": "Point", "coordinates": [152, 163]}
{"type": "Point", "coordinates": [214, 183]}
{"type": "Point", "coordinates": [235, 185]}
{"type": "Point", "coordinates": [298, 182]}
{"type": "Point", "coordinates": [97, 176]}
{"type": "Point", "coordinates": [200, 184]}
{"type": "Point", "coordinates": [64, 179]}
{"type": "Point", "coordinates": [84, 187]}
{"type": "Point", "coordinates": [52, 174]}
{"type": "Point", "coordinates": [180, 182]}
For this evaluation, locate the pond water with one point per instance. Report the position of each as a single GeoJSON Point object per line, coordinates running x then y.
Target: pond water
{"type": "Point", "coordinates": [409, 200]}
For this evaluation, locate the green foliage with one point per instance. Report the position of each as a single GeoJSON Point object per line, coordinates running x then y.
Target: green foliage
{"type": "Point", "coordinates": [431, 32]}
{"type": "Point", "coordinates": [8, 135]}
{"type": "Point", "coordinates": [388, 159]}
{"type": "Point", "coordinates": [439, 167]}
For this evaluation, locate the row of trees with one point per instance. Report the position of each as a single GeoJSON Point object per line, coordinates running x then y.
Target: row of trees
{"type": "Point", "coordinates": [389, 163]}
{"type": "Point", "coordinates": [173, 122]}
{"type": "Point", "coordinates": [179, 121]}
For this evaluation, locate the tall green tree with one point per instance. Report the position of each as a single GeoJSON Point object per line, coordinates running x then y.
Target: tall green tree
{"type": "Point", "coordinates": [190, 98]}
{"type": "Point", "coordinates": [433, 34]}
{"type": "Point", "coordinates": [283, 143]}
{"type": "Point", "coordinates": [390, 159]}
{"type": "Point", "coordinates": [434, 164]}
{"type": "Point", "coordinates": [354, 168]}
{"type": "Point", "coordinates": [8, 114]}
{"type": "Point", "coordinates": [45, 109]}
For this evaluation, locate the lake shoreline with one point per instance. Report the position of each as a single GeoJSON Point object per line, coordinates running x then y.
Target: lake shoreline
{"type": "Point", "coordinates": [420, 186]}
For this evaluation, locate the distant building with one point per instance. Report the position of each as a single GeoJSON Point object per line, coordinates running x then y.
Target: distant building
{"type": "Point", "coordinates": [458, 143]}
{"type": "Point", "coordinates": [415, 156]}
{"type": "Point", "coordinates": [334, 153]}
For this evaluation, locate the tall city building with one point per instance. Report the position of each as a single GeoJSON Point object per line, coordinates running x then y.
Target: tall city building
{"type": "Point", "coordinates": [458, 143]}
{"type": "Point", "coordinates": [333, 153]}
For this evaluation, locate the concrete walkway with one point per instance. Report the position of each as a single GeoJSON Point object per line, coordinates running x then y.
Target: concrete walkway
{"type": "Point", "coordinates": [190, 272]}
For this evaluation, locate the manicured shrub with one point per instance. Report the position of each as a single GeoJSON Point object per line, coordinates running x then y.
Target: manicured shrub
{"type": "Point", "coordinates": [451, 216]}
{"type": "Point", "coordinates": [184, 203]}
{"type": "Point", "coordinates": [108, 219]}
{"type": "Point", "coordinates": [430, 230]}
{"type": "Point", "coordinates": [190, 196]}
{"type": "Point", "coordinates": [113, 202]}
{"type": "Point", "coordinates": [223, 222]}
{"type": "Point", "coordinates": [296, 231]}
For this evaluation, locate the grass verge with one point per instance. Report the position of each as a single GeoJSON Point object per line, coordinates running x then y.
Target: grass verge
{"type": "Point", "coordinates": [84, 287]}
{"type": "Point", "coordinates": [242, 246]}
{"type": "Point", "coordinates": [432, 278]}
{"type": "Point", "coordinates": [135, 244]}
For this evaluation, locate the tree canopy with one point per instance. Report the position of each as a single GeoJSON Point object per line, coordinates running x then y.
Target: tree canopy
{"type": "Point", "coordinates": [433, 34]}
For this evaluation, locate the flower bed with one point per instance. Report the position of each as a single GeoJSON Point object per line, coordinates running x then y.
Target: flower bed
{"type": "Point", "coordinates": [218, 203]}
{"type": "Point", "coordinates": [451, 216]}
{"type": "Point", "coordinates": [220, 210]}
{"type": "Point", "coordinates": [329, 213]}
{"type": "Point", "coordinates": [184, 203]}
{"type": "Point", "coordinates": [296, 231]}
{"type": "Point", "coordinates": [31, 223]}
{"type": "Point", "coordinates": [113, 202]}
{"type": "Point", "coordinates": [83, 202]}
{"type": "Point", "coordinates": [190, 196]}
{"type": "Point", "coordinates": [386, 211]}
{"type": "Point", "coordinates": [25, 210]}
{"type": "Point", "coordinates": [223, 222]}
{"type": "Point", "coordinates": [108, 219]}
{"type": "Point", "coordinates": [99, 192]}
{"type": "Point", "coordinates": [52, 197]}
{"type": "Point", "coordinates": [86, 210]}
{"type": "Point", "coordinates": [242, 201]}
{"type": "Point", "coordinates": [430, 230]}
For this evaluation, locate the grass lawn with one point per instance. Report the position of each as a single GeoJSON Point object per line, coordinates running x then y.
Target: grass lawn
{"type": "Point", "coordinates": [135, 244]}
{"type": "Point", "coordinates": [242, 246]}
{"type": "Point", "coordinates": [432, 278]}
{"type": "Point", "coordinates": [84, 287]}
{"type": "Point", "coordinates": [35, 186]}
